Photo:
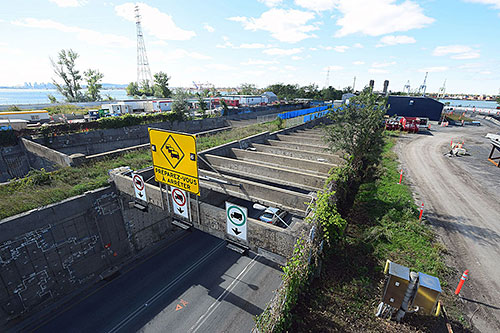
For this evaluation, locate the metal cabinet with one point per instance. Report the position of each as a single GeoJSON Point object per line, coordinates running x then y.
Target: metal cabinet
{"type": "Point", "coordinates": [395, 289]}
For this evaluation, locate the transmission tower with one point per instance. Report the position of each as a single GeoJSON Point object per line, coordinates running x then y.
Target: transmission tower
{"type": "Point", "coordinates": [423, 87]}
{"type": "Point", "coordinates": [143, 71]}
{"type": "Point", "coordinates": [327, 82]}
{"type": "Point", "coordinates": [442, 90]}
{"type": "Point", "coordinates": [407, 87]}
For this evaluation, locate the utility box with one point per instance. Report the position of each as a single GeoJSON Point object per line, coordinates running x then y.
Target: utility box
{"type": "Point", "coordinates": [428, 290]}
{"type": "Point", "coordinates": [395, 289]}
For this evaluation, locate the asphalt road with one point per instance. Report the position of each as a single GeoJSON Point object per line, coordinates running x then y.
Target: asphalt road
{"type": "Point", "coordinates": [194, 285]}
{"type": "Point", "coordinates": [462, 201]}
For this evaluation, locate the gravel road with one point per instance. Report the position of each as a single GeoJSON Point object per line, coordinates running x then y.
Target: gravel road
{"type": "Point", "coordinates": [462, 202]}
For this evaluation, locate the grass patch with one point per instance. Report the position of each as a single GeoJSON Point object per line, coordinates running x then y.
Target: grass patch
{"type": "Point", "coordinates": [382, 225]}
{"type": "Point", "coordinates": [42, 188]}
{"type": "Point", "coordinates": [457, 117]}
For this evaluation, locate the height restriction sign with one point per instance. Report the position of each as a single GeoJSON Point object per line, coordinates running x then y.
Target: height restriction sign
{"type": "Point", "coordinates": [174, 159]}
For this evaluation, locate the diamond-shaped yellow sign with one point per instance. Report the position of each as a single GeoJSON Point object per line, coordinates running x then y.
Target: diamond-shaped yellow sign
{"type": "Point", "coordinates": [175, 161]}
{"type": "Point", "coordinates": [173, 153]}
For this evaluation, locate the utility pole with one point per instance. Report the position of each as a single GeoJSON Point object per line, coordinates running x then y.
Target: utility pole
{"type": "Point", "coordinates": [354, 85]}
{"type": "Point", "coordinates": [143, 71]}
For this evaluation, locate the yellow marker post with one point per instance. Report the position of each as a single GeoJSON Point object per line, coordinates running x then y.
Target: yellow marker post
{"type": "Point", "coordinates": [175, 161]}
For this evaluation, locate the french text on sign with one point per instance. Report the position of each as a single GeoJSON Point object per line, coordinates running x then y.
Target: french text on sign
{"type": "Point", "coordinates": [180, 202]}
{"type": "Point", "coordinates": [175, 159]}
{"type": "Point", "coordinates": [236, 221]}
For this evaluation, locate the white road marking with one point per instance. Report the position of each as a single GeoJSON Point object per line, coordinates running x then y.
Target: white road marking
{"type": "Point", "coordinates": [160, 293]}
{"type": "Point", "coordinates": [218, 302]}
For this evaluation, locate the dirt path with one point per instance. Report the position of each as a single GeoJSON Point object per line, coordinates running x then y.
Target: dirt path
{"type": "Point", "coordinates": [462, 202]}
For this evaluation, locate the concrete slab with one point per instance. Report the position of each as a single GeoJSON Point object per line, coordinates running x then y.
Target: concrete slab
{"type": "Point", "coordinates": [303, 154]}
{"type": "Point", "coordinates": [302, 139]}
{"type": "Point", "coordinates": [267, 173]}
{"type": "Point", "coordinates": [277, 160]}
{"type": "Point", "coordinates": [293, 202]}
{"type": "Point", "coordinates": [298, 146]}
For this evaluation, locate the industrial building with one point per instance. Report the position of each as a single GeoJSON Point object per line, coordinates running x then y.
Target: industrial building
{"type": "Point", "coordinates": [410, 106]}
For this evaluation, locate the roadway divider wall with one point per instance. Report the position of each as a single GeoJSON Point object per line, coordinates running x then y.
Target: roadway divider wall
{"type": "Point", "coordinates": [298, 113]}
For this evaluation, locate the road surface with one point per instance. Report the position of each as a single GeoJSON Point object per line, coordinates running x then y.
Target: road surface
{"type": "Point", "coordinates": [462, 201]}
{"type": "Point", "coordinates": [193, 285]}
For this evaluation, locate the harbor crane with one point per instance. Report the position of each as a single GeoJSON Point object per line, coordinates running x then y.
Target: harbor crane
{"type": "Point", "coordinates": [442, 90]}
{"type": "Point", "coordinates": [423, 87]}
{"type": "Point", "coordinates": [407, 87]}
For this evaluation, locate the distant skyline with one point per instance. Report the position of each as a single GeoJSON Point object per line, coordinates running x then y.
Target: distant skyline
{"type": "Point", "coordinates": [262, 41]}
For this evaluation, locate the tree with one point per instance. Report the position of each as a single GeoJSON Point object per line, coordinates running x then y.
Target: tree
{"type": "Point", "coordinates": [132, 89]}
{"type": "Point", "coordinates": [161, 85]}
{"type": "Point", "coordinates": [247, 89]}
{"type": "Point", "coordinates": [65, 69]}
{"type": "Point", "coordinates": [93, 78]}
{"type": "Point", "coordinates": [203, 106]}
{"type": "Point", "coordinates": [180, 105]}
{"type": "Point", "coordinates": [146, 89]}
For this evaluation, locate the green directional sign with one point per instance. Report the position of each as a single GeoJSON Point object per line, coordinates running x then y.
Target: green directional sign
{"type": "Point", "coordinates": [236, 221]}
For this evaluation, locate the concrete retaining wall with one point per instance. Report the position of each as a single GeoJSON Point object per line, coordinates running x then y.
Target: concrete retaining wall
{"type": "Point", "coordinates": [16, 162]}
{"type": "Point", "coordinates": [99, 141]}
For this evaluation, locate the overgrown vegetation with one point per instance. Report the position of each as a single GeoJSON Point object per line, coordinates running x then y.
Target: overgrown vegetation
{"type": "Point", "coordinates": [383, 224]}
{"type": "Point", "coordinates": [41, 188]}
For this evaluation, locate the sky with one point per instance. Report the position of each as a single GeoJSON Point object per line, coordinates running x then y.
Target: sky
{"type": "Point", "coordinates": [230, 42]}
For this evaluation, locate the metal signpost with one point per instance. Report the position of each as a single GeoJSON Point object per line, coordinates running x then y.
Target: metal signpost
{"type": "Point", "coordinates": [236, 221]}
{"type": "Point", "coordinates": [139, 187]}
{"type": "Point", "coordinates": [175, 161]}
{"type": "Point", "coordinates": [180, 202]}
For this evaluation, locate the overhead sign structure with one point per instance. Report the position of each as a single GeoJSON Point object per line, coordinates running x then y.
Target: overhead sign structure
{"type": "Point", "coordinates": [180, 202]}
{"type": "Point", "coordinates": [236, 220]}
{"type": "Point", "coordinates": [175, 161]}
{"type": "Point", "coordinates": [139, 187]}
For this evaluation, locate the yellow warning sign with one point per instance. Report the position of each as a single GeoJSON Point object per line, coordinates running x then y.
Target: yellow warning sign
{"type": "Point", "coordinates": [174, 159]}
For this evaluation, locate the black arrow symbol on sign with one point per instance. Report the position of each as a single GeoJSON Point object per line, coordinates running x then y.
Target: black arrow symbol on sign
{"type": "Point", "coordinates": [236, 231]}
{"type": "Point", "coordinates": [140, 194]}
{"type": "Point", "coordinates": [138, 182]}
{"type": "Point", "coordinates": [180, 210]}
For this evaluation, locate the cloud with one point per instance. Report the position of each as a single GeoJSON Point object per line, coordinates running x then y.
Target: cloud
{"type": "Point", "coordinates": [378, 71]}
{"type": "Point", "coordinates": [395, 40]}
{"type": "Point", "coordinates": [341, 48]}
{"type": "Point", "coordinates": [435, 69]}
{"type": "Point", "coordinates": [316, 5]}
{"type": "Point", "coordinates": [333, 68]}
{"type": "Point", "coordinates": [288, 26]}
{"type": "Point", "coordinates": [379, 17]}
{"type": "Point", "coordinates": [208, 27]}
{"type": "Point", "coordinates": [271, 3]}
{"type": "Point", "coordinates": [456, 52]}
{"type": "Point", "coordinates": [177, 54]}
{"type": "Point", "coordinates": [297, 58]}
{"type": "Point", "coordinates": [290, 68]}
{"type": "Point", "coordinates": [358, 63]}
{"type": "Point", "coordinates": [90, 36]}
{"type": "Point", "coordinates": [493, 3]}
{"type": "Point", "coordinates": [254, 62]}
{"type": "Point", "coordinates": [221, 67]}
{"type": "Point", "coordinates": [358, 45]}
{"type": "Point", "coordinates": [69, 3]}
{"type": "Point", "coordinates": [154, 22]}
{"type": "Point", "coordinates": [252, 46]}
{"type": "Point", "coordinates": [383, 64]}
{"type": "Point", "coordinates": [313, 49]}
{"type": "Point", "coordinates": [282, 52]}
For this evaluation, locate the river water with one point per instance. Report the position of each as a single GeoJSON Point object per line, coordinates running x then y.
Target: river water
{"type": "Point", "coordinates": [471, 104]}
{"type": "Point", "coordinates": [39, 96]}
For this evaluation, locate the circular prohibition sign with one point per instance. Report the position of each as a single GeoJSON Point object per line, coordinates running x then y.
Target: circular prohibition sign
{"type": "Point", "coordinates": [138, 183]}
{"type": "Point", "coordinates": [180, 195]}
{"type": "Point", "coordinates": [242, 214]}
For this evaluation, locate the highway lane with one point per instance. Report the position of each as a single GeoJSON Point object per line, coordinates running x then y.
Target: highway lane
{"type": "Point", "coordinates": [193, 285]}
